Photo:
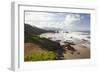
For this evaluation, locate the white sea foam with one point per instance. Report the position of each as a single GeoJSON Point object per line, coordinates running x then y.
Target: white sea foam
{"type": "Point", "coordinates": [82, 38]}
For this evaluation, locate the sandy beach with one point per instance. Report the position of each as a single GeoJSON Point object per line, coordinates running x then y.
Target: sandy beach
{"type": "Point", "coordinates": [80, 53]}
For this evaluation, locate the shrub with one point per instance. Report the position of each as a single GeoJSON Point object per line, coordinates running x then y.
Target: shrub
{"type": "Point", "coordinates": [41, 57]}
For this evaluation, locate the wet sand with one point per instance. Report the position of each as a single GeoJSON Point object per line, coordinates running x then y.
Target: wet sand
{"type": "Point", "coordinates": [81, 53]}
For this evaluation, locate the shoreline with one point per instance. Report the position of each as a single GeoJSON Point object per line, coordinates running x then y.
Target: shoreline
{"type": "Point", "coordinates": [80, 53]}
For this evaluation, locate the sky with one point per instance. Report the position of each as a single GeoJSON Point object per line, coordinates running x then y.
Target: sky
{"type": "Point", "coordinates": [59, 20]}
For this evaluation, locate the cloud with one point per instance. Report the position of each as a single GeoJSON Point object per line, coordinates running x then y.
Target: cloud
{"type": "Point", "coordinates": [37, 16]}
{"type": "Point", "coordinates": [71, 18]}
{"type": "Point", "coordinates": [42, 19]}
{"type": "Point", "coordinates": [64, 21]}
{"type": "Point", "coordinates": [70, 21]}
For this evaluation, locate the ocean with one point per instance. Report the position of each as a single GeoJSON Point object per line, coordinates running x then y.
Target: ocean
{"type": "Point", "coordinates": [81, 38]}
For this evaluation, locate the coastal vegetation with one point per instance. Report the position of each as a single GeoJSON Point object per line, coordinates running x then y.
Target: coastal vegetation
{"type": "Point", "coordinates": [50, 47]}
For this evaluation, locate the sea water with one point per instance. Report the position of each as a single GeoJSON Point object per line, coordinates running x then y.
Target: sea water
{"type": "Point", "coordinates": [80, 37]}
